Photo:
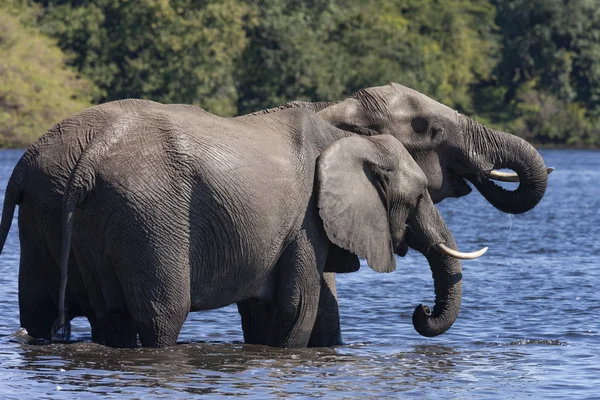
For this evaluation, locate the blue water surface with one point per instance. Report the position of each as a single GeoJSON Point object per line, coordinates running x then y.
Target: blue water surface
{"type": "Point", "coordinates": [528, 327]}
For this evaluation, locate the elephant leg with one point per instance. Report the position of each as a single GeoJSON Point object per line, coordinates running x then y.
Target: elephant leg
{"type": "Point", "coordinates": [298, 292]}
{"type": "Point", "coordinates": [37, 307]}
{"type": "Point", "coordinates": [157, 303]}
{"type": "Point", "coordinates": [160, 328]}
{"type": "Point", "coordinates": [257, 321]}
{"type": "Point", "coordinates": [326, 331]}
{"type": "Point", "coordinates": [109, 318]}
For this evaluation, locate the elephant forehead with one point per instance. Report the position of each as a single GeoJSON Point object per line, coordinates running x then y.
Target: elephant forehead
{"type": "Point", "coordinates": [412, 172]}
{"type": "Point", "coordinates": [418, 101]}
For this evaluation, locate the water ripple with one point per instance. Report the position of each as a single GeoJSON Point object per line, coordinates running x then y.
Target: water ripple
{"type": "Point", "coordinates": [527, 328]}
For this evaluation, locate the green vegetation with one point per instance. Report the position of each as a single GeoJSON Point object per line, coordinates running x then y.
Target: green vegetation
{"type": "Point", "coordinates": [528, 67]}
{"type": "Point", "coordinates": [37, 89]}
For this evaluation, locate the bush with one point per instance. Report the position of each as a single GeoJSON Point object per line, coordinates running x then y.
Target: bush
{"type": "Point", "coordinates": [547, 120]}
{"type": "Point", "coordinates": [36, 88]}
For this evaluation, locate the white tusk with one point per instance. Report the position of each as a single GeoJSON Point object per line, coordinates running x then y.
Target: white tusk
{"type": "Point", "coordinates": [510, 176]}
{"type": "Point", "coordinates": [504, 176]}
{"type": "Point", "coordinates": [458, 254]}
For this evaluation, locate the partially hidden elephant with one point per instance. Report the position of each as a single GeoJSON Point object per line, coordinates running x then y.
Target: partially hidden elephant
{"type": "Point", "coordinates": [449, 147]}
{"type": "Point", "coordinates": [198, 212]}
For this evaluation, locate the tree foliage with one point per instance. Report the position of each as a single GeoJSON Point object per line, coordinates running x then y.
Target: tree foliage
{"type": "Point", "coordinates": [326, 49]}
{"type": "Point", "coordinates": [171, 51]}
{"type": "Point", "coordinates": [36, 87]}
{"type": "Point", "coordinates": [547, 83]}
{"type": "Point", "coordinates": [529, 67]}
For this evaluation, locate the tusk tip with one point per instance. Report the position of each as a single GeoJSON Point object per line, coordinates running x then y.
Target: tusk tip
{"type": "Point", "coordinates": [511, 176]}
{"type": "Point", "coordinates": [504, 176]}
{"type": "Point", "coordinates": [460, 255]}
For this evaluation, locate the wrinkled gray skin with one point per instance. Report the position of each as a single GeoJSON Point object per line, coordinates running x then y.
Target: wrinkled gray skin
{"type": "Point", "coordinates": [37, 186]}
{"type": "Point", "coordinates": [173, 210]}
{"type": "Point", "coordinates": [449, 147]}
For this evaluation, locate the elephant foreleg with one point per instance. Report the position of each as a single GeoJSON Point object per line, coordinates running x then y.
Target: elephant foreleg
{"type": "Point", "coordinates": [257, 318]}
{"type": "Point", "coordinates": [326, 331]}
{"type": "Point", "coordinates": [257, 321]}
{"type": "Point", "coordinates": [298, 289]}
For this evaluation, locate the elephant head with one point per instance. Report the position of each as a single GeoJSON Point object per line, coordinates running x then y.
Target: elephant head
{"type": "Point", "coordinates": [373, 200]}
{"type": "Point", "coordinates": [449, 147]}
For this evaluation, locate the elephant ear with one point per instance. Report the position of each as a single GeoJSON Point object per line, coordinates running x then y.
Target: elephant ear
{"type": "Point", "coordinates": [353, 200]}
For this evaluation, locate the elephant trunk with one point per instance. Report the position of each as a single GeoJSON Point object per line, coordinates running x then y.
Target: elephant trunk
{"type": "Point", "coordinates": [488, 149]}
{"type": "Point", "coordinates": [427, 231]}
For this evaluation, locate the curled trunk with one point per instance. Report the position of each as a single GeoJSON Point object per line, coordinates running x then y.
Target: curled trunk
{"type": "Point", "coordinates": [427, 230]}
{"type": "Point", "coordinates": [488, 149]}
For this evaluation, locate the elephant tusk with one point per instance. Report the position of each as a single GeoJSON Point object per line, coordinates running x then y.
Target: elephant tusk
{"type": "Point", "coordinates": [442, 248]}
{"type": "Point", "coordinates": [510, 176]}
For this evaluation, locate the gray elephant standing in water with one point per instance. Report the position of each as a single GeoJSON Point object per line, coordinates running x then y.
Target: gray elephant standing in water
{"type": "Point", "coordinates": [174, 209]}
{"type": "Point", "coordinates": [448, 147]}
{"type": "Point", "coordinates": [37, 185]}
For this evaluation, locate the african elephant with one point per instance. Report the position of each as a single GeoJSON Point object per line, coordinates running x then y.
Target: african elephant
{"type": "Point", "coordinates": [449, 147]}
{"type": "Point", "coordinates": [198, 212]}
{"type": "Point", "coordinates": [37, 186]}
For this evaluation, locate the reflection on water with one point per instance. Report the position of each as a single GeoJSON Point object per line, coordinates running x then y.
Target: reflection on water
{"type": "Point", "coordinates": [237, 369]}
{"type": "Point", "coordinates": [527, 328]}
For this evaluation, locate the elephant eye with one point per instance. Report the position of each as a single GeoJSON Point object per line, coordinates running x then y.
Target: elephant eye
{"type": "Point", "coordinates": [419, 124]}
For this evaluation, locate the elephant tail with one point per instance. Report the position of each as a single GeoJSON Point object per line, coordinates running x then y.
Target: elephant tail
{"type": "Point", "coordinates": [12, 197]}
{"type": "Point", "coordinates": [78, 185]}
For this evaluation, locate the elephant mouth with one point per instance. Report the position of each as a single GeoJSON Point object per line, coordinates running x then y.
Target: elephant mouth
{"type": "Point", "coordinates": [401, 248]}
{"type": "Point", "coordinates": [455, 186]}
{"type": "Point", "coordinates": [461, 187]}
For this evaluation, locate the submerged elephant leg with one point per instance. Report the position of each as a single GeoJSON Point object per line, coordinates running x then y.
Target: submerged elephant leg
{"type": "Point", "coordinates": [257, 321]}
{"type": "Point", "coordinates": [298, 292]}
{"type": "Point", "coordinates": [110, 322]}
{"type": "Point", "coordinates": [159, 324]}
{"type": "Point", "coordinates": [37, 307]}
{"type": "Point", "coordinates": [326, 331]}
{"type": "Point", "coordinates": [257, 318]}
{"type": "Point", "coordinates": [158, 304]}
{"type": "Point", "coordinates": [118, 328]}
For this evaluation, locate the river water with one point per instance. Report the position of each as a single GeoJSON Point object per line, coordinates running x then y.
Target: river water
{"type": "Point", "coordinates": [528, 327]}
